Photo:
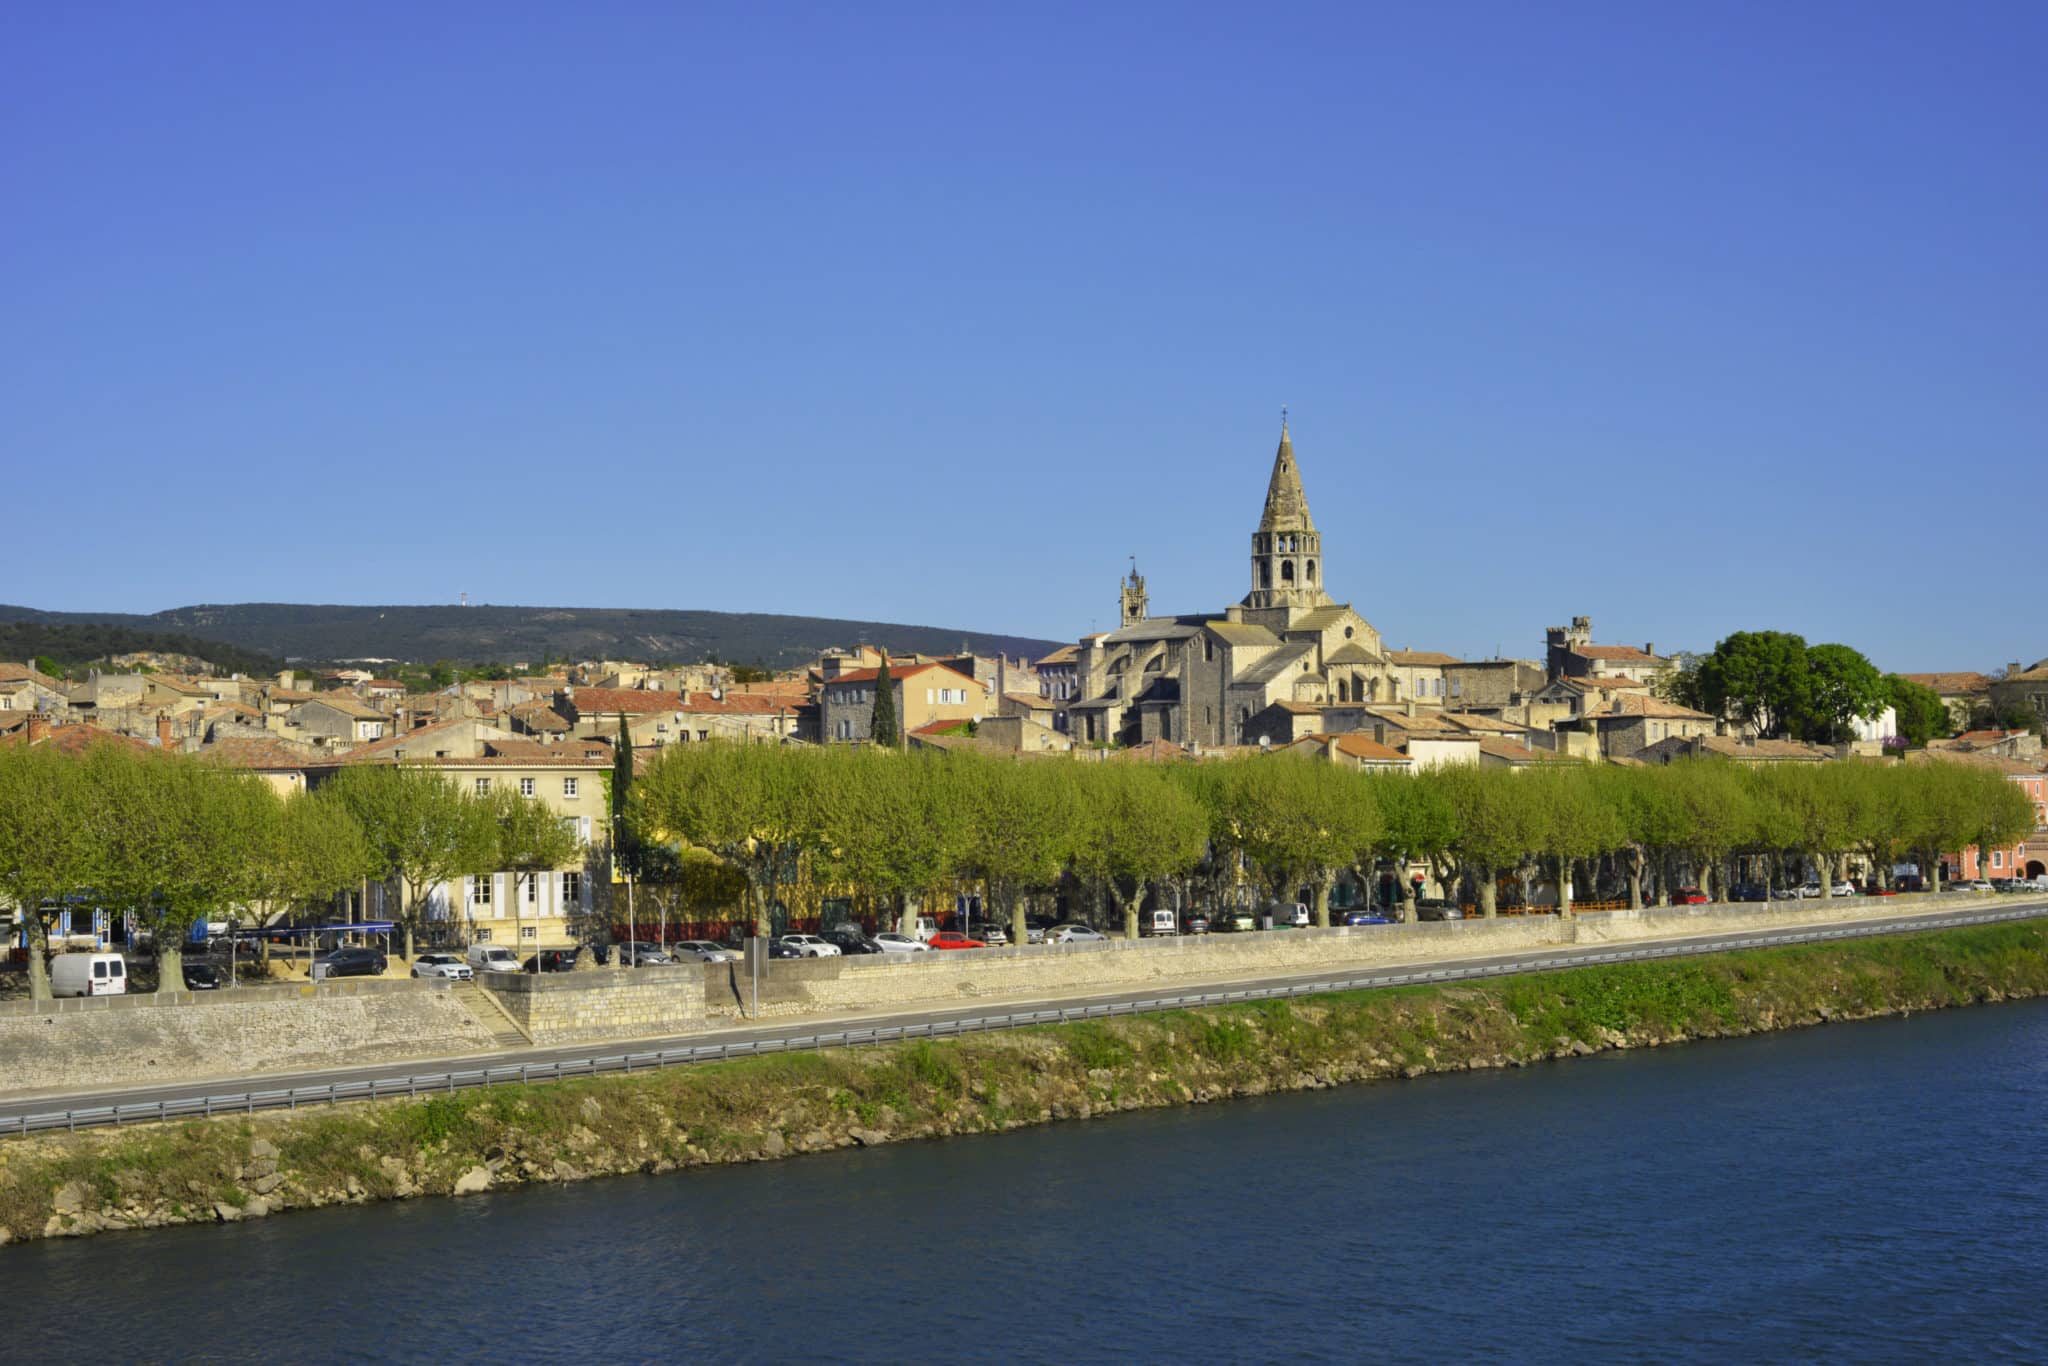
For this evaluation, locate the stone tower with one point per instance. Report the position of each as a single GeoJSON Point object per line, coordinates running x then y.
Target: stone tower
{"type": "Point", "coordinates": [1134, 602]}
{"type": "Point", "coordinates": [1287, 552]}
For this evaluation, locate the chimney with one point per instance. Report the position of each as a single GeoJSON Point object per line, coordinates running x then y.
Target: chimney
{"type": "Point", "coordinates": [1411, 706]}
{"type": "Point", "coordinates": [38, 727]}
{"type": "Point", "coordinates": [2012, 668]}
{"type": "Point", "coordinates": [1649, 647]}
{"type": "Point", "coordinates": [163, 731]}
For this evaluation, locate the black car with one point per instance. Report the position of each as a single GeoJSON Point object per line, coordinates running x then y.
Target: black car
{"type": "Point", "coordinates": [202, 977]}
{"type": "Point", "coordinates": [1750, 891]}
{"type": "Point", "coordinates": [849, 941]}
{"type": "Point", "coordinates": [553, 960]}
{"type": "Point", "coordinates": [1435, 908]}
{"type": "Point", "coordinates": [778, 949]}
{"type": "Point", "coordinates": [353, 962]}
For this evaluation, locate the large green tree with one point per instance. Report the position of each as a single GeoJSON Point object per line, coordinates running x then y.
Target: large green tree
{"type": "Point", "coordinates": [422, 829]}
{"type": "Point", "coordinates": [48, 849]}
{"type": "Point", "coordinates": [1756, 678]}
{"type": "Point", "coordinates": [1417, 825]}
{"type": "Point", "coordinates": [1922, 715]}
{"type": "Point", "coordinates": [1842, 687]}
{"type": "Point", "coordinates": [1495, 820]}
{"type": "Point", "coordinates": [761, 808]}
{"type": "Point", "coordinates": [531, 840]}
{"type": "Point", "coordinates": [1133, 826]}
{"type": "Point", "coordinates": [888, 824]}
{"type": "Point", "coordinates": [1017, 829]}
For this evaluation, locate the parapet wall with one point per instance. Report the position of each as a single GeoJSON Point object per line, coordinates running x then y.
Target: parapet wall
{"type": "Point", "coordinates": [123, 1040]}
{"type": "Point", "coordinates": [616, 1003]}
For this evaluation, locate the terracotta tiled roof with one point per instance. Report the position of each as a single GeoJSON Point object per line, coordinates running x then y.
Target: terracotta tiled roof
{"type": "Point", "coordinates": [76, 739]}
{"type": "Point", "coordinates": [1033, 701]}
{"type": "Point", "coordinates": [1422, 657]}
{"type": "Point", "coordinates": [1618, 683]}
{"type": "Point", "coordinates": [1627, 653]}
{"type": "Point", "coordinates": [253, 753]}
{"type": "Point", "coordinates": [632, 701]}
{"type": "Point", "coordinates": [940, 727]}
{"type": "Point", "coordinates": [1959, 683]}
{"type": "Point", "coordinates": [1366, 748]}
{"type": "Point", "coordinates": [1066, 654]}
{"type": "Point", "coordinates": [737, 704]}
{"type": "Point", "coordinates": [869, 675]}
{"type": "Point", "coordinates": [22, 673]}
{"type": "Point", "coordinates": [348, 706]}
{"type": "Point", "coordinates": [1489, 725]}
{"type": "Point", "coordinates": [1151, 752]}
{"type": "Point", "coordinates": [1995, 762]}
{"type": "Point", "coordinates": [1518, 754]}
{"type": "Point", "coordinates": [1642, 704]}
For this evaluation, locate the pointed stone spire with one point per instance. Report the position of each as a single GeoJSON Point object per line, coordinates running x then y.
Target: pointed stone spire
{"type": "Point", "coordinates": [1286, 503]}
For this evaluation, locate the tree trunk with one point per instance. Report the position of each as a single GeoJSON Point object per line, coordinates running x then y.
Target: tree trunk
{"type": "Point", "coordinates": [1019, 935]}
{"type": "Point", "coordinates": [1564, 887]}
{"type": "Point", "coordinates": [1931, 878]}
{"type": "Point", "coordinates": [1410, 894]}
{"type": "Point", "coordinates": [1635, 879]}
{"type": "Point", "coordinates": [1322, 890]}
{"type": "Point", "coordinates": [906, 914]}
{"type": "Point", "coordinates": [1664, 880]}
{"type": "Point", "coordinates": [1129, 908]}
{"type": "Point", "coordinates": [170, 964]}
{"type": "Point", "coordinates": [38, 957]}
{"type": "Point", "coordinates": [1824, 869]}
{"type": "Point", "coordinates": [1489, 894]}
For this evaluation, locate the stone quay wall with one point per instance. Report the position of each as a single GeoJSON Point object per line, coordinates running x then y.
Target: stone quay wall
{"type": "Point", "coordinates": [615, 1003]}
{"type": "Point", "coordinates": [157, 1037]}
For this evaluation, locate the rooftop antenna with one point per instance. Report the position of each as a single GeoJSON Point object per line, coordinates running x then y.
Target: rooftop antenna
{"type": "Point", "coordinates": [465, 597]}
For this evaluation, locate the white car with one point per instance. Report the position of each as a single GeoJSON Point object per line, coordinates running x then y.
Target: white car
{"type": "Point", "coordinates": [1074, 934]}
{"type": "Point", "coordinates": [1811, 889]}
{"type": "Point", "coordinates": [703, 950]}
{"type": "Point", "coordinates": [492, 958]}
{"type": "Point", "coordinates": [441, 965]}
{"type": "Point", "coordinates": [810, 946]}
{"type": "Point", "coordinates": [889, 941]}
{"type": "Point", "coordinates": [995, 936]}
{"type": "Point", "coordinates": [1980, 885]}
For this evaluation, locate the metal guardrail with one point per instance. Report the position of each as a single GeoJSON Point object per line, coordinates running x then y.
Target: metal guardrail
{"type": "Point", "coordinates": [433, 1083]}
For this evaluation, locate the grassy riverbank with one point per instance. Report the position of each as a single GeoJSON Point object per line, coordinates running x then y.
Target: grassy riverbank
{"type": "Point", "coordinates": [771, 1107]}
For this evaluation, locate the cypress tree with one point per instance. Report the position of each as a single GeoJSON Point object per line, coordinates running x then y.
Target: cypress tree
{"type": "Point", "coordinates": [622, 787]}
{"type": "Point", "coordinates": [882, 728]}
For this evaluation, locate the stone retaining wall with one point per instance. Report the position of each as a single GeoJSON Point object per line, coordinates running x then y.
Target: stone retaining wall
{"type": "Point", "coordinates": [835, 985]}
{"type": "Point", "coordinates": [186, 1036]}
{"type": "Point", "coordinates": [619, 1003]}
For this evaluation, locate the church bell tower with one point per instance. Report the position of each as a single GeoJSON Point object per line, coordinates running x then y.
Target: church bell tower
{"type": "Point", "coordinates": [1287, 551]}
{"type": "Point", "coordinates": [1134, 602]}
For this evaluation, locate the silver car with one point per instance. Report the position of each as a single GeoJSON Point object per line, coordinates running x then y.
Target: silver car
{"type": "Point", "coordinates": [702, 950]}
{"type": "Point", "coordinates": [1074, 934]}
{"type": "Point", "coordinates": [445, 965]}
{"type": "Point", "coordinates": [810, 946]}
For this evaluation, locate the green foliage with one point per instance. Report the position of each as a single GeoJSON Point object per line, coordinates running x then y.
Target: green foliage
{"type": "Point", "coordinates": [1922, 715]}
{"type": "Point", "coordinates": [421, 829]}
{"type": "Point", "coordinates": [59, 649]}
{"type": "Point", "coordinates": [1775, 683]}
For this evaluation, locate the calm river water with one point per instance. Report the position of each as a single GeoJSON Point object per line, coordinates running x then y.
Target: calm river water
{"type": "Point", "coordinates": [1864, 1192]}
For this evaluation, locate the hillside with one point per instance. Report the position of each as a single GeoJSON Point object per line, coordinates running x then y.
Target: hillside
{"type": "Point", "coordinates": [71, 646]}
{"type": "Point", "coordinates": [308, 632]}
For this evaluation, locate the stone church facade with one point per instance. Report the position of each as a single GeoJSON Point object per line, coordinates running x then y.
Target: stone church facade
{"type": "Point", "coordinates": [1284, 656]}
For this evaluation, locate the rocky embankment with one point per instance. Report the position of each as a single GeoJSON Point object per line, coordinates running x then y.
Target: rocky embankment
{"type": "Point", "coordinates": [238, 1168]}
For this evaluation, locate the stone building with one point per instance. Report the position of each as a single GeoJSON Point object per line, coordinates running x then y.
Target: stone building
{"type": "Point", "coordinates": [1206, 678]}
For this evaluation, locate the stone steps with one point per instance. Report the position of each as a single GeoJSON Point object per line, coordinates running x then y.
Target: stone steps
{"type": "Point", "coordinates": [504, 1031]}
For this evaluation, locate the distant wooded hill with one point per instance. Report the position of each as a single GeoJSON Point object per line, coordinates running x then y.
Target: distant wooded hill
{"type": "Point", "coordinates": [73, 646]}
{"type": "Point", "coordinates": [478, 635]}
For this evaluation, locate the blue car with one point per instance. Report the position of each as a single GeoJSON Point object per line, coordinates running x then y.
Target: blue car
{"type": "Point", "coordinates": [1367, 918]}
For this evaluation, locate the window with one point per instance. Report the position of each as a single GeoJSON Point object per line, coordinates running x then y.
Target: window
{"type": "Point", "coordinates": [529, 931]}
{"type": "Point", "coordinates": [483, 936]}
{"type": "Point", "coordinates": [1998, 858]}
{"type": "Point", "coordinates": [568, 787]}
{"type": "Point", "coordinates": [532, 891]}
{"type": "Point", "coordinates": [480, 891]}
{"type": "Point", "coordinates": [526, 787]}
{"type": "Point", "coordinates": [1208, 648]}
{"type": "Point", "coordinates": [483, 787]}
{"type": "Point", "coordinates": [572, 889]}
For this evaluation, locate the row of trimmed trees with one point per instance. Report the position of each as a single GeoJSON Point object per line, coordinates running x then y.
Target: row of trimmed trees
{"type": "Point", "coordinates": [175, 841]}
{"type": "Point", "coordinates": [897, 827]}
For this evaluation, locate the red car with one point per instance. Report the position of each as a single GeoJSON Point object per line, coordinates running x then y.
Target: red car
{"type": "Point", "coordinates": [1688, 896]}
{"type": "Point", "coordinates": [953, 939]}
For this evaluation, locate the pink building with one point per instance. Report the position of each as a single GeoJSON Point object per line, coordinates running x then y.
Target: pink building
{"type": "Point", "coordinates": [2027, 858]}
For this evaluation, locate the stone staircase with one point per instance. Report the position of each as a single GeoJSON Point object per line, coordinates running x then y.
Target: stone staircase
{"type": "Point", "coordinates": [504, 1030]}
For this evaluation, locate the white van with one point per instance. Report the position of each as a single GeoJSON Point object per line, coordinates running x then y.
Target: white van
{"type": "Point", "coordinates": [88, 974]}
{"type": "Point", "coordinates": [491, 958]}
{"type": "Point", "coordinates": [926, 928]}
{"type": "Point", "coordinates": [1157, 923]}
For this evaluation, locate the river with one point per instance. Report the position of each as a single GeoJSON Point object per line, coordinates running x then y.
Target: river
{"type": "Point", "coordinates": [1865, 1192]}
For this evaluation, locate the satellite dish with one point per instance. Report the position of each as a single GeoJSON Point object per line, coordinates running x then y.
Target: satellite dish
{"type": "Point", "coordinates": [1265, 742]}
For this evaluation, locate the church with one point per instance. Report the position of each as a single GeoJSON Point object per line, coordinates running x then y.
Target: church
{"type": "Point", "coordinates": [1283, 660]}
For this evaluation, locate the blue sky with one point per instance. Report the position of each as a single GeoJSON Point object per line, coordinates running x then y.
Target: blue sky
{"type": "Point", "coordinates": [1691, 319]}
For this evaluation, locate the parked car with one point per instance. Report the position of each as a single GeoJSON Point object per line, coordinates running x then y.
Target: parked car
{"type": "Point", "coordinates": [353, 962]}
{"type": "Point", "coordinates": [491, 958]}
{"type": "Point", "coordinates": [1980, 885]}
{"type": "Point", "coordinates": [1750, 891]}
{"type": "Point", "coordinates": [1195, 922]}
{"type": "Point", "coordinates": [779, 949]}
{"type": "Point", "coordinates": [553, 960]}
{"type": "Point", "coordinates": [811, 946]}
{"type": "Point", "coordinates": [1074, 934]}
{"type": "Point", "coordinates": [926, 927]}
{"type": "Point", "coordinates": [203, 977]}
{"type": "Point", "coordinates": [889, 941]}
{"type": "Point", "coordinates": [1235, 921]}
{"type": "Point", "coordinates": [1910, 882]}
{"type": "Point", "coordinates": [700, 950]}
{"type": "Point", "coordinates": [1291, 915]}
{"type": "Point", "coordinates": [1784, 894]}
{"type": "Point", "coordinates": [995, 936]}
{"type": "Point", "coordinates": [1436, 908]}
{"type": "Point", "coordinates": [1367, 918]}
{"type": "Point", "coordinates": [442, 965]}
{"type": "Point", "coordinates": [850, 940]}
{"type": "Point", "coordinates": [1879, 891]}
{"type": "Point", "coordinates": [641, 954]}
{"type": "Point", "coordinates": [953, 939]}
{"type": "Point", "coordinates": [1688, 896]}
{"type": "Point", "coordinates": [2005, 886]}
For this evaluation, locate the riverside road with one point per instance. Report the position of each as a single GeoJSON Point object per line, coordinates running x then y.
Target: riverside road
{"type": "Point", "coordinates": [396, 1075]}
